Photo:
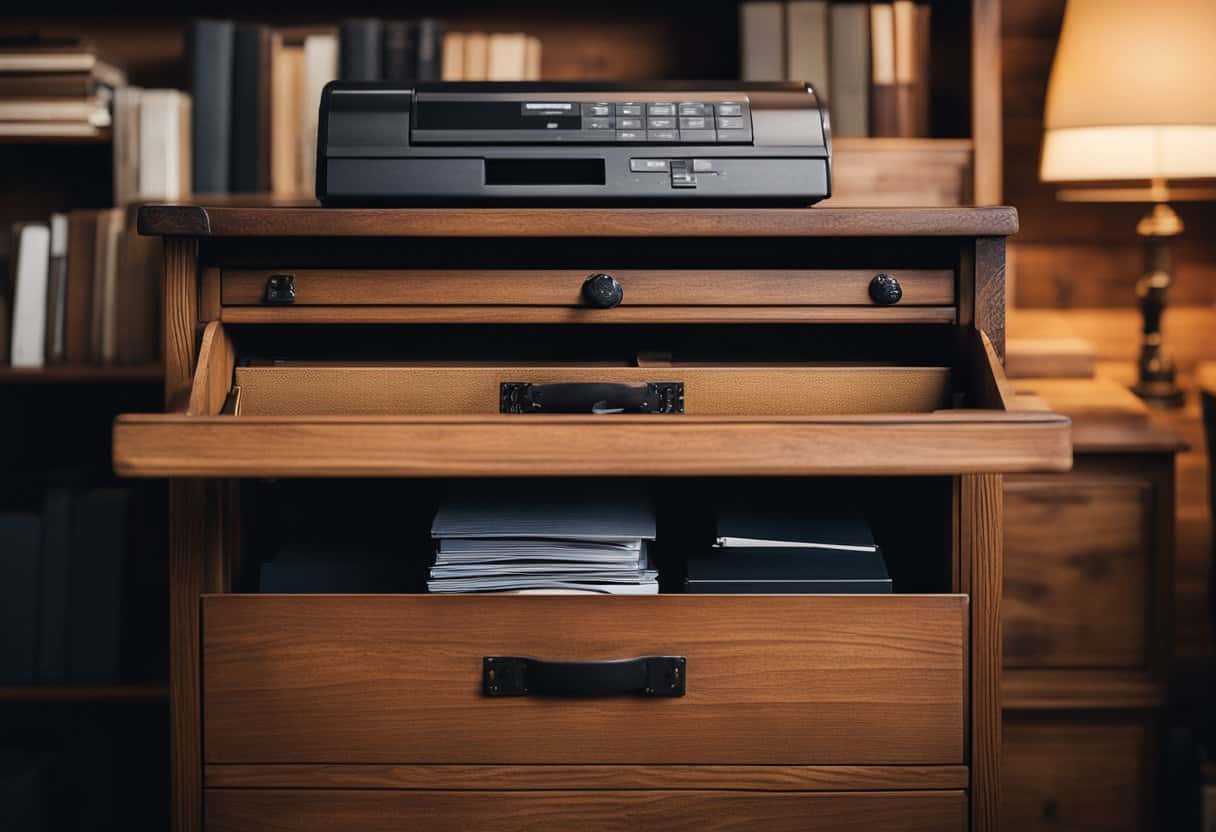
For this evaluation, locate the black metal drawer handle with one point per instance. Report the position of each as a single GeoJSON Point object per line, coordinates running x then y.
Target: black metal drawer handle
{"type": "Point", "coordinates": [591, 397]}
{"type": "Point", "coordinates": [524, 676]}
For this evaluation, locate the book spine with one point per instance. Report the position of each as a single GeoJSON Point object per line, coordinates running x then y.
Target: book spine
{"type": "Point", "coordinates": [762, 41]}
{"type": "Point", "coordinates": [849, 96]}
{"type": "Point", "coordinates": [98, 549]}
{"type": "Point", "coordinates": [906, 67]}
{"type": "Point", "coordinates": [250, 110]}
{"type": "Point", "coordinates": [430, 49]}
{"type": "Point", "coordinates": [21, 542]}
{"type": "Point", "coordinates": [453, 56]}
{"type": "Point", "coordinates": [52, 635]}
{"type": "Point", "coordinates": [359, 50]}
{"type": "Point", "coordinates": [57, 285]}
{"type": "Point", "coordinates": [806, 43]}
{"type": "Point", "coordinates": [400, 60]}
{"type": "Point", "coordinates": [210, 46]}
{"type": "Point", "coordinates": [82, 241]}
{"type": "Point", "coordinates": [884, 111]}
{"type": "Point", "coordinates": [30, 295]}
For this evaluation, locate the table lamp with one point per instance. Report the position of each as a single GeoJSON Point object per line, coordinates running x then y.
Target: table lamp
{"type": "Point", "coordinates": [1131, 99]}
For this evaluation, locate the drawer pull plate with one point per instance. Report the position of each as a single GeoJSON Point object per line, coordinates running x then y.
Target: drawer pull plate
{"type": "Point", "coordinates": [649, 676]}
{"type": "Point", "coordinates": [591, 397]}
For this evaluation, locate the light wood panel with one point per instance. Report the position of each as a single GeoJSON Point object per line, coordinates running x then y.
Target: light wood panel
{"type": "Point", "coordinates": [898, 173]}
{"type": "Point", "coordinates": [180, 319]}
{"type": "Point", "coordinates": [240, 221]}
{"type": "Point", "coordinates": [253, 810]}
{"type": "Point", "coordinates": [213, 379]}
{"type": "Point", "coordinates": [771, 680]}
{"type": "Point", "coordinates": [949, 442]}
{"type": "Point", "coordinates": [563, 288]}
{"type": "Point", "coordinates": [765, 778]}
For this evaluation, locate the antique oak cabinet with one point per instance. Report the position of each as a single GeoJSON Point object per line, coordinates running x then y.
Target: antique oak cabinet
{"type": "Point", "coordinates": [353, 351]}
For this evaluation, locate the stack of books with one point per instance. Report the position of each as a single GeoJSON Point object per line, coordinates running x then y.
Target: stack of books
{"type": "Point", "coordinates": [573, 542]}
{"type": "Point", "coordinates": [85, 289]}
{"type": "Point", "coordinates": [55, 89]}
{"type": "Point", "coordinates": [825, 549]}
{"type": "Point", "coordinates": [502, 56]}
{"type": "Point", "coordinates": [870, 59]}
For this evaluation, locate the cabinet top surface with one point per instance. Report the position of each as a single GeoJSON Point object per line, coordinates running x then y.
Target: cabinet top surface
{"type": "Point", "coordinates": [237, 220]}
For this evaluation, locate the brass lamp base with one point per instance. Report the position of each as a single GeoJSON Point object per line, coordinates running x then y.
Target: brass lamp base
{"type": "Point", "coordinates": [1156, 370]}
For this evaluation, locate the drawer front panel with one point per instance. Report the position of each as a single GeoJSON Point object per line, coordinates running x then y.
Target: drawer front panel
{"type": "Point", "coordinates": [770, 680]}
{"type": "Point", "coordinates": [564, 287]}
{"type": "Point", "coordinates": [253, 810]}
{"type": "Point", "coordinates": [1076, 549]}
{"type": "Point", "coordinates": [385, 390]}
{"type": "Point", "coordinates": [1082, 776]}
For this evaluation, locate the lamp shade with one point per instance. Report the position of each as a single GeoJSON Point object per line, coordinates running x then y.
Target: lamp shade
{"type": "Point", "coordinates": [1132, 94]}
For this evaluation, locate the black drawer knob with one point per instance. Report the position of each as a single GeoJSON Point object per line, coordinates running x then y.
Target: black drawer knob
{"type": "Point", "coordinates": [885, 290]}
{"type": "Point", "coordinates": [281, 289]}
{"type": "Point", "coordinates": [602, 291]}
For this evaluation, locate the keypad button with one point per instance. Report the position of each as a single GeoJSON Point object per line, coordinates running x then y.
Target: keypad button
{"type": "Point", "coordinates": [649, 165]}
{"type": "Point", "coordinates": [662, 135]}
{"type": "Point", "coordinates": [694, 123]}
{"type": "Point", "coordinates": [701, 136]}
{"type": "Point", "coordinates": [630, 136]}
{"type": "Point", "coordinates": [599, 124]}
{"type": "Point", "coordinates": [730, 123]}
{"type": "Point", "coordinates": [703, 166]}
{"type": "Point", "coordinates": [730, 109]}
{"type": "Point", "coordinates": [629, 123]}
{"type": "Point", "coordinates": [661, 109]}
{"type": "Point", "coordinates": [600, 109]}
{"type": "Point", "coordinates": [661, 123]}
{"type": "Point", "coordinates": [628, 109]}
{"type": "Point", "coordinates": [691, 109]}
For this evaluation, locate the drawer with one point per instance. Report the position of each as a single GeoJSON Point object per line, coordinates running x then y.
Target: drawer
{"type": "Point", "coordinates": [1076, 548]}
{"type": "Point", "coordinates": [777, 680]}
{"type": "Point", "coordinates": [857, 420]}
{"type": "Point", "coordinates": [253, 810]}
{"type": "Point", "coordinates": [550, 295]}
{"type": "Point", "coordinates": [1059, 775]}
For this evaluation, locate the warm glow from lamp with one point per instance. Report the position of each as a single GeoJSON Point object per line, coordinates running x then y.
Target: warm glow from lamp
{"type": "Point", "coordinates": [1131, 93]}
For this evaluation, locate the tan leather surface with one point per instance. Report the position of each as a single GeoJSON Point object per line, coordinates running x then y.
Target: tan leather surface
{"type": "Point", "coordinates": [319, 390]}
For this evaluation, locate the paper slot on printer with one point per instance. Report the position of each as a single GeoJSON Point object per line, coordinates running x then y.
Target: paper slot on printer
{"type": "Point", "coordinates": [762, 143]}
{"type": "Point", "coordinates": [570, 540]}
{"type": "Point", "coordinates": [827, 548]}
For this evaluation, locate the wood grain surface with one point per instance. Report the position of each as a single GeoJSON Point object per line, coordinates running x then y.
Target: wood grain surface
{"type": "Point", "coordinates": [316, 810]}
{"type": "Point", "coordinates": [949, 442]}
{"type": "Point", "coordinates": [563, 287]}
{"type": "Point", "coordinates": [771, 680]}
{"type": "Point", "coordinates": [764, 778]}
{"type": "Point", "coordinates": [180, 319]}
{"type": "Point", "coordinates": [213, 378]}
{"type": "Point", "coordinates": [241, 221]}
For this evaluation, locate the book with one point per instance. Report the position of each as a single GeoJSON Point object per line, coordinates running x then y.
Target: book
{"type": "Point", "coordinates": [53, 592]}
{"type": "Point", "coordinates": [56, 291]}
{"type": "Point", "coordinates": [453, 56]}
{"type": "Point", "coordinates": [359, 50]}
{"type": "Point", "coordinates": [775, 570]}
{"type": "Point", "coordinates": [165, 145]}
{"type": "Point", "coordinates": [907, 66]}
{"type": "Point", "coordinates": [430, 49]}
{"type": "Point", "coordinates": [320, 67]}
{"type": "Point", "coordinates": [532, 62]}
{"type": "Point", "coordinates": [287, 83]}
{"type": "Point", "coordinates": [51, 129]}
{"type": "Point", "coordinates": [75, 60]}
{"type": "Point", "coordinates": [806, 43]}
{"type": "Point", "coordinates": [50, 85]}
{"type": "Point", "coordinates": [104, 330]}
{"type": "Point", "coordinates": [209, 50]}
{"type": "Point", "coordinates": [884, 108]}
{"type": "Point", "coordinates": [94, 110]}
{"type": "Point", "coordinates": [849, 93]}
{"type": "Point", "coordinates": [250, 151]}
{"type": "Point", "coordinates": [476, 56]}
{"type": "Point", "coordinates": [33, 259]}
{"type": "Point", "coordinates": [508, 56]}
{"type": "Point", "coordinates": [924, 62]}
{"type": "Point", "coordinates": [137, 295]}
{"type": "Point", "coordinates": [125, 144]}
{"type": "Point", "coordinates": [82, 243]}
{"type": "Point", "coordinates": [21, 544]}
{"type": "Point", "coordinates": [400, 59]}
{"type": "Point", "coordinates": [98, 551]}
{"type": "Point", "coordinates": [762, 40]}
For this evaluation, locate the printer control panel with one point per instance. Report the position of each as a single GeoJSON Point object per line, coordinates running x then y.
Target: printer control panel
{"type": "Point", "coordinates": [439, 119]}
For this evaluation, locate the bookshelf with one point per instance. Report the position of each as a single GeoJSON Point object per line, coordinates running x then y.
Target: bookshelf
{"type": "Point", "coordinates": [85, 693]}
{"type": "Point", "coordinates": [83, 374]}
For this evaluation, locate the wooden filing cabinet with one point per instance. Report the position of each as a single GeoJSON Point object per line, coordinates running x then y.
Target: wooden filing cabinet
{"type": "Point", "coordinates": [370, 712]}
{"type": "Point", "coordinates": [1087, 612]}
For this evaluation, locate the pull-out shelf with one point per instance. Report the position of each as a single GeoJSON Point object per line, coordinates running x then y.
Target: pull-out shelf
{"type": "Point", "coordinates": [206, 441]}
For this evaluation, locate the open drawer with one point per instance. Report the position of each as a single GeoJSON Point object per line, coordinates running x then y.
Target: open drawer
{"type": "Point", "coordinates": [335, 420]}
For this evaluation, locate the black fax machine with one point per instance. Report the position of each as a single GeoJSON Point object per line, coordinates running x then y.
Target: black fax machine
{"type": "Point", "coordinates": [684, 143]}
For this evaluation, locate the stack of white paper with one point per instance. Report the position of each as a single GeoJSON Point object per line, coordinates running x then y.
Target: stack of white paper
{"type": "Point", "coordinates": [578, 541]}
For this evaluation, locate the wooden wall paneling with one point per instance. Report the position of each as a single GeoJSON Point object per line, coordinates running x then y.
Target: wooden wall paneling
{"type": "Point", "coordinates": [986, 101]}
{"type": "Point", "coordinates": [180, 319]}
{"type": "Point", "coordinates": [981, 540]}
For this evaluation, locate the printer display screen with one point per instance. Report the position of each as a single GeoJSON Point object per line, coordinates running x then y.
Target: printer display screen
{"type": "Point", "coordinates": [497, 115]}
